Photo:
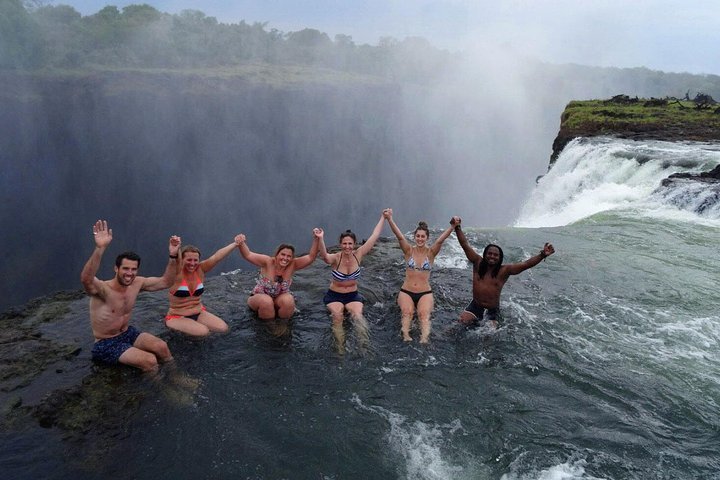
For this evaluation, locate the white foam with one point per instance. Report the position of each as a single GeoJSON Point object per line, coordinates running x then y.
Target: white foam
{"type": "Point", "coordinates": [419, 444]}
{"type": "Point", "coordinates": [570, 470]}
{"type": "Point", "coordinates": [597, 175]}
{"type": "Point", "coordinates": [451, 255]}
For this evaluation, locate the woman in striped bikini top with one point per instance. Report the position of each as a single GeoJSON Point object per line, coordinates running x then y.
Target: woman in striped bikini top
{"type": "Point", "coordinates": [339, 276]}
{"type": "Point", "coordinates": [343, 295]}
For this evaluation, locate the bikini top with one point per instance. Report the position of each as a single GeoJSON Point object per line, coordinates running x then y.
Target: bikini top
{"type": "Point", "coordinates": [426, 266]}
{"type": "Point", "coordinates": [339, 276]}
{"type": "Point", "coordinates": [183, 289]}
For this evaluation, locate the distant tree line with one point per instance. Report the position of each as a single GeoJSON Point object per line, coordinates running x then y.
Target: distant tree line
{"type": "Point", "coordinates": [34, 36]}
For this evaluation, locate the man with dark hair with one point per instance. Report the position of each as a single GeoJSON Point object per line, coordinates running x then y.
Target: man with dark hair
{"type": "Point", "coordinates": [112, 301]}
{"type": "Point", "coordinates": [130, 256]}
{"type": "Point", "coordinates": [489, 277]}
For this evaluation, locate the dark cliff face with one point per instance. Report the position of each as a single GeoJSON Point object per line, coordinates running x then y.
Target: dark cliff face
{"type": "Point", "coordinates": [202, 157]}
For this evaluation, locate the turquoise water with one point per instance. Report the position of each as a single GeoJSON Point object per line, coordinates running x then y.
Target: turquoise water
{"type": "Point", "coordinates": [606, 364]}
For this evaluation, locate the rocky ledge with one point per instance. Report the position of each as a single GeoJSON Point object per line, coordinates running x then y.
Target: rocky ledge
{"type": "Point", "coordinates": [635, 118]}
{"type": "Point", "coordinates": [712, 176]}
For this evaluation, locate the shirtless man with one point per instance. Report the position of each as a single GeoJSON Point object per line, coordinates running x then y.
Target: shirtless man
{"type": "Point", "coordinates": [489, 277]}
{"type": "Point", "coordinates": [112, 301]}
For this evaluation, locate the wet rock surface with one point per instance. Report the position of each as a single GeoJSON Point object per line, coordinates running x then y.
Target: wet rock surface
{"type": "Point", "coordinates": [711, 177]}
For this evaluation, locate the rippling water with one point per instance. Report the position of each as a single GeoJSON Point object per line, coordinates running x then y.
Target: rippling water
{"type": "Point", "coordinates": [606, 365]}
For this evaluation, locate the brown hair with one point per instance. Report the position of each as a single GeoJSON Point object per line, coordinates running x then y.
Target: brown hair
{"type": "Point", "coordinates": [348, 233]}
{"type": "Point", "coordinates": [189, 248]}
{"type": "Point", "coordinates": [423, 226]}
{"type": "Point", "coordinates": [283, 246]}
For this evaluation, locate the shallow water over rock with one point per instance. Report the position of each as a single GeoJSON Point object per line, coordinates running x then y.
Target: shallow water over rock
{"type": "Point", "coordinates": [591, 375]}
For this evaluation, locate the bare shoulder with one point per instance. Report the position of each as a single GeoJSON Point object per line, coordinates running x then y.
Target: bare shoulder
{"type": "Point", "coordinates": [507, 270]}
{"type": "Point", "coordinates": [360, 253]}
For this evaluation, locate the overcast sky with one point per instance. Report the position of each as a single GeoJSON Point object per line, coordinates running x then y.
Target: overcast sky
{"type": "Point", "coordinates": [667, 35]}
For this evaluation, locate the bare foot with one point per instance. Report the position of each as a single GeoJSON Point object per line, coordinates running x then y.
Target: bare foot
{"type": "Point", "coordinates": [184, 380]}
{"type": "Point", "coordinates": [178, 397]}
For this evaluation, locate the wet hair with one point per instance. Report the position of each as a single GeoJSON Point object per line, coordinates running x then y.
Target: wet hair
{"type": "Point", "coordinates": [283, 246]}
{"type": "Point", "coordinates": [189, 248]}
{"type": "Point", "coordinates": [129, 255]}
{"type": "Point", "coordinates": [347, 233]}
{"type": "Point", "coordinates": [423, 226]}
{"type": "Point", "coordinates": [483, 266]}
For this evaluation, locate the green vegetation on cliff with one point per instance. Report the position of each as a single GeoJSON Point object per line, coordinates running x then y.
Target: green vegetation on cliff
{"type": "Point", "coordinates": [612, 116]}
{"type": "Point", "coordinates": [637, 118]}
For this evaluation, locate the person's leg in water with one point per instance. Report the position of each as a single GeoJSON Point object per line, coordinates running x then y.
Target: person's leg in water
{"type": "Point", "coordinates": [491, 317]}
{"type": "Point", "coordinates": [285, 305]}
{"type": "Point", "coordinates": [337, 314]}
{"type": "Point", "coordinates": [213, 322]}
{"type": "Point", "coordinates": [407, 311]}
{"type": "Point", "coordinates": [263, 305]}
{"type": "Point", "coordinates": [146, 353]}
{"type": "Point", "coordinates": [424, 310]}
{"type": "Point", "coordinates": [474, 314]}
{"type": "Point", "coordinates": [188, 325]}
{"type": "Point", "coordinates": [149, 342]}
{"type": "Point", "coordinates": [278, 327]}
{"type": "Point", "coordinates": [360, 324]}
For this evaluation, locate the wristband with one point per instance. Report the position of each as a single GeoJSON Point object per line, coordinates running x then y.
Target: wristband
{"type": "Point", "coordinates": [174, 256]}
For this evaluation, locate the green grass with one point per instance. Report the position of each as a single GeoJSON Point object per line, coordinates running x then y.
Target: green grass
{"type": "Point", "coordinates": [611, 116]}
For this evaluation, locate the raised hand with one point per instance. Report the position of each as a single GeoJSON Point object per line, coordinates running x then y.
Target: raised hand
{"type": "Point", "coordinates": [174, 246]}
{"type": "Point", "coordinates": [102, 234]}
{"type": "Point", "coordinates": [548, 249]}
{"type": "Point", "coordinates": [455, 221]}
{"type": "Point", "coordinates": [239, 239]}
{"type": "Point", "coordinates": [318, 233]}
{"type": "Point", "coordinates": [387, 213]}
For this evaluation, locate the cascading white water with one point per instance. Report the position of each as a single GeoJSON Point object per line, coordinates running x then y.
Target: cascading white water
{"type": "Point", "coordinates": [601, 174]}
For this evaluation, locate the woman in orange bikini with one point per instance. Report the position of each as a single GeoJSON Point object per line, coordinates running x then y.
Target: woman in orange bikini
{"type": "Point", "coordinates": [187, 313]}
{"type": "Point", "coordinates": [271, 297]}
{"type": "Point", "coordinates": [415, 293]}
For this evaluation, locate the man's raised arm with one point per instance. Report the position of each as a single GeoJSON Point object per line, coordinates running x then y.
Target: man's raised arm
{"type": "Point", "coordinates": [471, 254]}
{"type": "Point", "coordinates": [102, 236]}
{"type": "Point", "coordinates": [516, 268]}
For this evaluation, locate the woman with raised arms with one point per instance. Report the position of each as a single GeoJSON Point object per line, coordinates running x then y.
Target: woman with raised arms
{"type": "Point", "coordinates": [343, 295]}
{"type": "Point", "coordinates": [415, 294]}
{"type": "Point", "coordinates": [271, 297]}
{"type": "Point", "coordinates": [187, 314]}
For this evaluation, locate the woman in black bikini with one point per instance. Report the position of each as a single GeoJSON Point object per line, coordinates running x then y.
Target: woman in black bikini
{"type": "Point", "coordinates": [343, 293]}
{"type": "Point", "coordinates": [416, 294]}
